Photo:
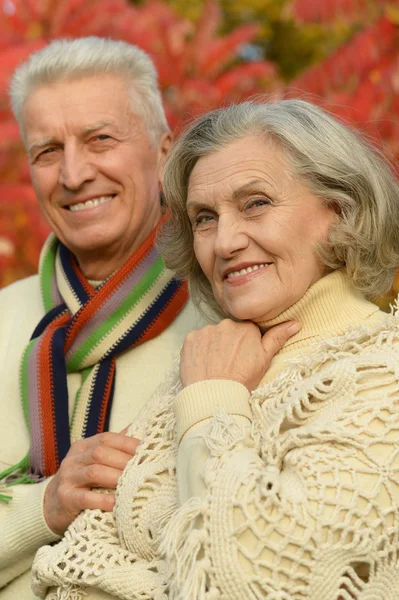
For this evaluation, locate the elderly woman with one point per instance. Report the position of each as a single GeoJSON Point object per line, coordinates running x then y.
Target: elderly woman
{"type": "Point", "coordinates": [268, 465]}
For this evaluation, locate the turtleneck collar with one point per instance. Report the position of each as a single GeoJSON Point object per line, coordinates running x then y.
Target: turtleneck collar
{"type": "Point", "coordinates": [326, 310]}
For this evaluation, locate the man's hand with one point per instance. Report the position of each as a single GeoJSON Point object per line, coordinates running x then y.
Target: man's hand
{"type": "Point", "coordinates": [231, 350]}
{"type": "Point", "coordinates": [96, 462]}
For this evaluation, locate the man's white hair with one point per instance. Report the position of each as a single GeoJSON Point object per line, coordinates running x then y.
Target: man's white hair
{"type": "Point", "coordinates": [66, 59]}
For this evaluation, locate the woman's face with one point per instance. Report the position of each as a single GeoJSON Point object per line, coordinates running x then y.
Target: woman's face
{"type": "Point", "coordinates": [255, 226]}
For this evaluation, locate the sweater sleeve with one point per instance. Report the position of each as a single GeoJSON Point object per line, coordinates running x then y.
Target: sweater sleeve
{"type": "Point", "coordinates": [319, 522]}
{"type": "Point", "coordinates": [194, 407]}
{"type": "Point", "coordinates": [23, 529]}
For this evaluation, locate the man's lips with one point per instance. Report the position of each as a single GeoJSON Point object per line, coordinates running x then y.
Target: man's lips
{"type": "Point", "coordinates": [243, 269]}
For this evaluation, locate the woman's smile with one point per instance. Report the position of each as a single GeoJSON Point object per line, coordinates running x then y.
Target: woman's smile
{"type": "Point", "coordinates": [244, 274]}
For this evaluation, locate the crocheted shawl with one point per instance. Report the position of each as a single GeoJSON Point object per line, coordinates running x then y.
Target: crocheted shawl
{"type": "Point", "coordinates": [292, 522]}
{"type": "Point", "coordinates": [83, 330]}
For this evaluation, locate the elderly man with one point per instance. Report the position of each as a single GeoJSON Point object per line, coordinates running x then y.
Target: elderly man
{"type": "Point", "coordinates": [84, 344]}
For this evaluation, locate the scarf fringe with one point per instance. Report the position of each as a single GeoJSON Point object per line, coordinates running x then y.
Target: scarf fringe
{"type": "Point", "coordinates": [226, 433]}
{"type": "Point", "coordinates": [183, 545]}
{"type": "Point", "coordinates": [15, 475]}
{"type": "Point", "coordinates": [5, 498]}
{"type": "Point", "coordinates": [70, 592]}
{"type": "Point", "coordinates": [5, 485]}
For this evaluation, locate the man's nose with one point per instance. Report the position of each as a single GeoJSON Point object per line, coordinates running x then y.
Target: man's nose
{"type": "Point", "coordinates": [230, 238]}
{"type": "Point", "coordinates": [76, 168]}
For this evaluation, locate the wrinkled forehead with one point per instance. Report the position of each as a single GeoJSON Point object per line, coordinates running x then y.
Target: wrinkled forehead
{"type": "Point", "coordinates": [239, 163]}
{"type": "Point", "coordinates": [81, 103]}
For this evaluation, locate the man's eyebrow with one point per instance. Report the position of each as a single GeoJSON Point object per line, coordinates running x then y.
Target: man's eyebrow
{"type": "Point", "coordinates": [48, 141]}
{"type": "Point", "coordinates": [96, 126]}
{"type": "Point", "coordinates": [37, 145]}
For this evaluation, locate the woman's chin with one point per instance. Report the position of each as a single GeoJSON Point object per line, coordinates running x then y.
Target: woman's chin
{"type": "Point", "coordinates": [254, 316]}
{"type": "Point", "coordinates": [247, 308]}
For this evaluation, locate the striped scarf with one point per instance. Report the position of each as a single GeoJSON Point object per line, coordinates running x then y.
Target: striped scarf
{"type": "Point", "coordinates": [83, 331]}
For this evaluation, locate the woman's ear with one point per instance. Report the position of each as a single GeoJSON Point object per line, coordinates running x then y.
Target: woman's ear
{"type": "Point", "coordinates": [336, 208]}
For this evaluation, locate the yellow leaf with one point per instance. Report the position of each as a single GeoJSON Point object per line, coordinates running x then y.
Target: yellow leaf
{"type": "Point", "coordinates": [35, 31]}
{"type": "Point", "coordinates": [375, 76]}
{"type": "Point", "coordinates": [392, 13]}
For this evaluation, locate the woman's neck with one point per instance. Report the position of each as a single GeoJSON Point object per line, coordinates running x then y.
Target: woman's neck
{"type": "Point", "coordinates": [328, 309]}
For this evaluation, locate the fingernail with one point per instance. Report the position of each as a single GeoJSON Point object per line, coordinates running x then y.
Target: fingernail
{"type": "Point", "coordinates": [294, 328]}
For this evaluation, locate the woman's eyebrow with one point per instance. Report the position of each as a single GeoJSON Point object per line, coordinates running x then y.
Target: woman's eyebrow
{"type": "Point", "coordinates": [252, 185]}
{"type": "Point", "coordinates": [242, 191]}
{"type": "Point", "coordinates": [195, 205]}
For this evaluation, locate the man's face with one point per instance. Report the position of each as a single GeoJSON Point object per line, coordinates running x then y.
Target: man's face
{"type": "Point", "coordinates": [95, 173]}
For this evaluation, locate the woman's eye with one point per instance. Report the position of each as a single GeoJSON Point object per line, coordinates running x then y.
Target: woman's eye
{"type": "Point", "coordinates": [258, 203]}
{"type": "Point", "coordinates": [203, 219]}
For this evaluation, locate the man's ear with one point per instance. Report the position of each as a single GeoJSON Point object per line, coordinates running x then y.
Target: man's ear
{"type": "Point", "coordinates": [165, 144]}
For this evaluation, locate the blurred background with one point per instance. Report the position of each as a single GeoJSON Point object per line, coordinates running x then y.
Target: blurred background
{"type": "Point", "coordinates": [342, 54]}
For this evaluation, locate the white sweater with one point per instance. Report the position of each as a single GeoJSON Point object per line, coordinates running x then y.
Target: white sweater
{"type": "Point", "coordinates": [288, 493]}
{"type": "Point", "coordinates": [22, 526]}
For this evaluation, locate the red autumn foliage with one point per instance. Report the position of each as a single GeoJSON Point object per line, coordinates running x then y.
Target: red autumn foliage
{"type": "Point", "coordinates": [356, 59]}
{"type": "Point", "coordinates": [326, 11]}
{"type": "Point", "coordinates": [196, 65]}
{"type": "Point", "coordinates": [22, 232]}
{"type": "Point", "coordinates": [359, 82]}
{"type": "Point", "coordinates": [197, 71]}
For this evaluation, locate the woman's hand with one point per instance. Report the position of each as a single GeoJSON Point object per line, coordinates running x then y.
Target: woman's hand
{"type": "Point", "coordinates": [230, 350]}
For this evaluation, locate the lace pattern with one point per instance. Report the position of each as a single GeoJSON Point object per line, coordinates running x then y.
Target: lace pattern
{"type": "Point", "coordinates": [306, 506]}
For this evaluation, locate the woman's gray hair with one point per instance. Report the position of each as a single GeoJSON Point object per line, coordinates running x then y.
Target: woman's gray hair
{"type": "Point", "coordinates": [66, 59]}
{"type": "Point", "coordinates": [335, 163]}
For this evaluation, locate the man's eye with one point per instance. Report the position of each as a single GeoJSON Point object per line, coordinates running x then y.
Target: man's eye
{"type": "Point", "coordinates": [44, 153]}
{"type": "Point", "coordinates": [102, 137]}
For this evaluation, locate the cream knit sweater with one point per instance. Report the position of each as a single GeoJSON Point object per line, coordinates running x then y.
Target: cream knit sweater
{"type": "Point", "coordinates": [288, 493]}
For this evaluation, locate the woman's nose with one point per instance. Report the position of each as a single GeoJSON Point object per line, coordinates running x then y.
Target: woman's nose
{"type": "Point", "coordinates": [230, 238]}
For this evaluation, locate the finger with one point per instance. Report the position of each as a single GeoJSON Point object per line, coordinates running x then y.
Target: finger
{"type": "Point", "coordinates": [275, 338]}
{"type": "Point", "coordinates": [117, 441]}
{"type": "Point", "coordinates": [109, 457]}
{"type": "Point", "coordinates": [124, 430]}
{"type": "Point", "coordinates": [92, 500]}
{"type": "Point", "coordinates": [96, 475]}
